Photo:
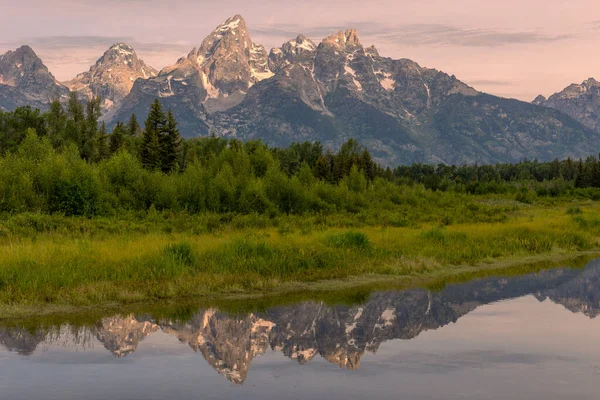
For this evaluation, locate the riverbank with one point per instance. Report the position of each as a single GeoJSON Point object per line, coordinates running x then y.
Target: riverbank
{"type": "Point", "coordinates": [63, 268]}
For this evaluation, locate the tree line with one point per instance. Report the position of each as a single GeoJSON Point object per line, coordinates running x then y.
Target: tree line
{"type": "Point", "coordinates": [65, 160]}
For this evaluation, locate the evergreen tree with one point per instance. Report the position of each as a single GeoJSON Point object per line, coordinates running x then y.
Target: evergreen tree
{"type": "Point", "coordinates": [582, 179]}
{"type": "Point", "coordinates": [56, 120]}
{"type": "Point", "coordinates": [170, 142]}
{"type": "Point", "coordinates": [102, 149]}
{"type": "Point", "coordinates": [155, 125]}
{"type": "Point", "coordinates": [322, 169]}
{"type": "Point", "coordinates": [75, 120]}
{"type": "Point", "coordinates": [90, 132]}
{"type": "Point", "coordinates": [133, 128]}
{"type": "Point", "coordinates": [367, 165]}
{"type": "Point", "coordinates": [595, 178]}
{"type": "Point", "coordinates": [117, 138]}
{"type": "Point", "coordinates": [555, 169]}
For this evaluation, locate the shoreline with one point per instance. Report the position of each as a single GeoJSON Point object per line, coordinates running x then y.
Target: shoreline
{"type": "Point", "coordinates": [333, 291]}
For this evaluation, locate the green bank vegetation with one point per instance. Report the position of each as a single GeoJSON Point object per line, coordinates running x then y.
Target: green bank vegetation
{"type": "Point", "coordinates": [86, 262]}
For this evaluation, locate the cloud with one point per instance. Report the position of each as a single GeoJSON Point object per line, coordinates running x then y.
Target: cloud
{"type": "Point", "coordinates": [490, 82]}
{"type": "Point", "coordinates": [61, 43]}
{"type": "Point", "coordinates": [67, 56]}
{"type": "Point", "coordinates": [419, 34]}
{"type": "Point", "coordinates": [450, 362]}
{"type": "Point", "coordinates": [428, 34]}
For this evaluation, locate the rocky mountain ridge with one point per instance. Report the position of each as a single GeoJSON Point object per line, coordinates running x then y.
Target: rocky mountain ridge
{"type": "Point", "coordinates": [580, 101]}
{"type": "Point", "coordinates": [112, 76]}
{"type": "Point", "coordinates": [26, 81]}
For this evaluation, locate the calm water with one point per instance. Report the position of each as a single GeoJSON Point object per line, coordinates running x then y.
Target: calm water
{"type": "Point", "coordinates": [529, 337]}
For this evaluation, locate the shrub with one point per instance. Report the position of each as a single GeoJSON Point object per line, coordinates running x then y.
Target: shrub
{"type": "Point", "coordinates": [182, 253]}
{"type": "Point", "coordinates": [356, 240]}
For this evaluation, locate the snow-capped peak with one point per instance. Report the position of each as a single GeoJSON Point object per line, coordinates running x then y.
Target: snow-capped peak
{"type": "Point", "coordinates": [303, 43]}
{"type": "Point", "coordinates": [112, 76]}
{"type": "Point", "coordinates": [232, 23]}
{"type": "Point", "coordinates": [122, 48]}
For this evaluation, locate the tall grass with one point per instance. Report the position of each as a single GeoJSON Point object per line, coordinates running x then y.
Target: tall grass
{"type": "Point", "coordinates": [71, 261]}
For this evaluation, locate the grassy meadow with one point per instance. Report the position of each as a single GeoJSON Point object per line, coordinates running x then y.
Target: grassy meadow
{"type": "Point", "coordinates": [55, 261]}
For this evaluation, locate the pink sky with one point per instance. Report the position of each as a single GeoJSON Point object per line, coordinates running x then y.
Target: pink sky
{"type": "Point", "coordinates": [511, 48]}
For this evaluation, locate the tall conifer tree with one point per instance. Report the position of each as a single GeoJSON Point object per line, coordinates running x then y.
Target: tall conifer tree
{"type": "Point", "coordinates": [155, 125]}
{"type": "Point", "coordinates": [133, 127]}
{"type": "Point", "coordinates": [117, 139]}
{"type": "Point", "coordinates": [102, 149]}
{"type": "Point", "coordinates": [170, 142]}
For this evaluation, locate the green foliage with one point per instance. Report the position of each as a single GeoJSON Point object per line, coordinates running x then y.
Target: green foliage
{"type": "Point", "coordinates": [63, 162]}
{"type": "Point", "coordinates": [182, 253]}
{"type": "Point", "coordinates": [170, 143]}
{"type": "Point", "coordinates": [154, 127]}
{"type": "Point", "coordinates": [574, 211]}
{"type": "Point", "coordinates": [356, 240]}
{"type": "Point", "coordinates": [117, 138]}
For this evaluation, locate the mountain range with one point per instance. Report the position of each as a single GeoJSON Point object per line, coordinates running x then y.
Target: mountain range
{"type": "Point", "coordinates": [340, 334]}
{"type": "Point", "coordinates": [331, 91]}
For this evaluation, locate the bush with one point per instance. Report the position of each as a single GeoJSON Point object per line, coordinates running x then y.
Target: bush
{"type": "Point", "coordinates": [574, 211]}
{"type": "Point", "coordinates": [182, 253]}
{"type": "Point", "coordinates": [355, 240]}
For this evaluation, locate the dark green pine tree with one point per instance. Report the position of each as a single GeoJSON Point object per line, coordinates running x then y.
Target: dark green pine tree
{"type": "Point", "coordinates": [57, 120]}
{"type": "Point", "coordinates": [322, 168]}
{"type": "Point", "coordinates": [155, 125]}
{"type": "Point", "coordinates": [102, 150]}
{"type": "Point", "coordinates": [170, 142]}
{"type": "Point", "coordinates": [117, 138]}
{"type": "Point", "coordinates": [595, 178]}
{"type": "Point", "coordinates": [90, 133]}
{"type": "Point", "coordinates": [367, 165]}
{"type": "Point", "coordinates": [583, 178]}
{"type": "Point", "coordinates": [133, 128]}
{"type": "Point", "coordinates": [75, 121]}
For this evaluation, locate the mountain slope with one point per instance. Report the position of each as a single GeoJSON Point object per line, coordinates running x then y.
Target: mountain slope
{"type": "Point", "coordinates": [26, 81]}
{"type": "Point", "coordinates": [112, 77]}
{"type": "Point", "coordinates": [582, 102]}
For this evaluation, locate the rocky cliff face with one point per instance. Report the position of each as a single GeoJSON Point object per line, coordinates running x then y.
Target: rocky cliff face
{"type": "Point", "coordinates": [122, 335]}
{"type": "Point", "coordinates": [582, 102]}
{"type": "Point", "coordinates": [112, 77]}
{"type": "Point", "coordinates": [25, 80]}
{"type": "Point", "coordinates": [213, 77]}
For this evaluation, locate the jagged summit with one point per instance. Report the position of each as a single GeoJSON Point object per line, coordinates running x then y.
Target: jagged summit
{"type": "Point", "coordinates": [539, 100]}
{"type": "Point", "coordinates": [580, 101]}
{"type": "Point", "coordinates": [17, 66]}
{"type": "Point", "coordinates": [216, 75]}
{"type": "Point", "coordinates": [112, 76]}
{"type": "Point", "coordinates": [298, 50]}
{"type": "Point", "coordinates": [343, 38]}
{"type": "Point", "coordinates": [25, 80]}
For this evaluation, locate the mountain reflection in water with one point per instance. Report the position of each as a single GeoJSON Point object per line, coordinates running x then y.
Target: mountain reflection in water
{"type": "Point", "coordinates": [341, 334]}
